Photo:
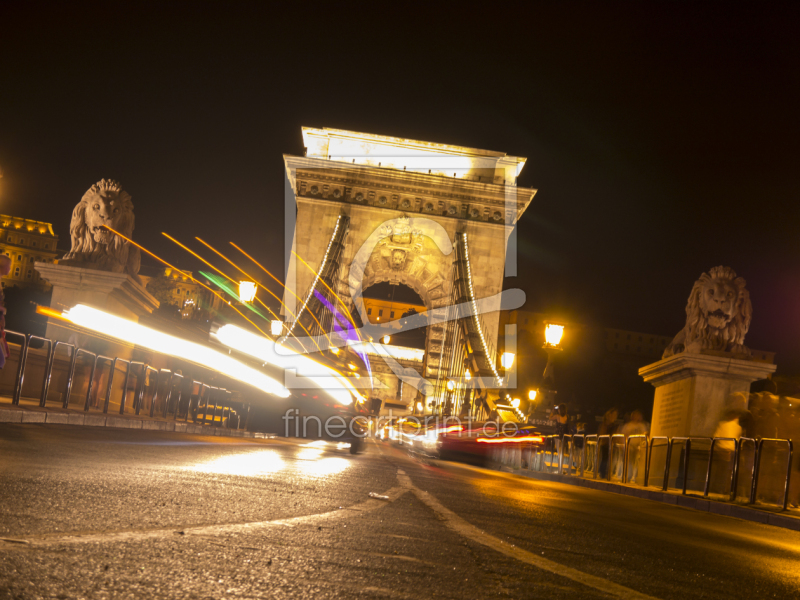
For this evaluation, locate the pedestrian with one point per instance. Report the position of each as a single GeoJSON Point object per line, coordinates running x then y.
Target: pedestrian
{"type": "Point", "coordinates": [730, 429]}
{"type": "Point", "coordinates": [607, 427]}
{"type": "Point", "coordinates": [636, 425]}
{"type": "Point", "coordinates": [5, 269]}
{"type": "Point", "coordinates": [560, 415]}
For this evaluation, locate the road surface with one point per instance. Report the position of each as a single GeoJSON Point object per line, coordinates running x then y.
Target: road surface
{"type": "Point", "coordinates": [103, 513]}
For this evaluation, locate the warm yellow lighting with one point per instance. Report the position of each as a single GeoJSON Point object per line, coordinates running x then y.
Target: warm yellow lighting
{"type": "Point", "coordinates": [553, 333]}
{"type": "Point", "coordinates": [507, 359]}
{"type": "Point", "coordinates": [451, 385]}
{"type": "Point", "coordinates": [419, 406]}
{"type": "Point", "coordinates": [324, 377]}
{"type": "Point", "coordinates": [334, 351]}
{"type": "Point", "coordinates": [387, 339]}
{"type": "Point", "coordinates": [275, 327]}
{"type": "Point", "coordinates": [247, 291]}
{"type": "Point", "coordinates": [532, 395]}
{"type": "Point", "coordinates": [139, 335]}
{"type": "Point", "coordinates": [400, 352]}
{"type": "Point", "coordinates": [247, 464]}
{"type": "Point", "coordinates": [467, 375]}
{"type": "Point", "coordinates": [515, 403]}
{"type": "Point", "coordinates": [352, 367]}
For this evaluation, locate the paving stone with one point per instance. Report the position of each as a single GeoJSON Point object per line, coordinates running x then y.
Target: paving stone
{"type": "Point", "coordinates": [11, 416]}
{"type": "Point", "coordinates": [34, 416]}
{"type": "Point", "coordinates": [60, 418]}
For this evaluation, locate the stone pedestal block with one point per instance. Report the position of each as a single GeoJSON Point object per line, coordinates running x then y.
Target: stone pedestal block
{"type": "Point", "coordinates": [116, 293]}
{"type": "Point", "coordinates": [693, 390]}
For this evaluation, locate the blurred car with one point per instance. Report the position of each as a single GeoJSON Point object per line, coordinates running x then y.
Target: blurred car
{"type": "Point", "coordinates": [473, 444]}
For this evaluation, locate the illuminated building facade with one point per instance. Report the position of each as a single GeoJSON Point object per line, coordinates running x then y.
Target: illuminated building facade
{"type": "Point", "coordinates": [26, 242]}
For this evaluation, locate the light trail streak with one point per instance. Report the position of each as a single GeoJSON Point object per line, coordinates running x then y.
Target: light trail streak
{"type": "Point", "coordinates": [323, 376]}
{"type": "Point", "coordinates": [196, 255]}
{"type": "Point", "coordinates": [158, 258]}
{"type": "Point", "coordinates": [518, 440]}
{"type": "Point", "coordinates": [139, 335]}
{"type": "Point", "coordinates": [349, 315]}
{"type": "Point", "coordinates": [238, 268]}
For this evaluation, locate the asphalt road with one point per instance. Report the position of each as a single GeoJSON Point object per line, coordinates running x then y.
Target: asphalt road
{"type": "Point", "coordinates": [103, 513]}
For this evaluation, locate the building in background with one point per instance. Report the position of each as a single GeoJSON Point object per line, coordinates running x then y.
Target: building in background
{"type": "Point", "coordinates": [173, 288]}
{"type": "Point", "coordinates": [26, 242]}
{"type": "Point", "coordinates": [384, 311]}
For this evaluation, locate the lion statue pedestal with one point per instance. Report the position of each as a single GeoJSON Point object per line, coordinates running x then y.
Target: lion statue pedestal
{"type": "Point", "coordinates": [102, 268]}
{"type": "Point", "coordinates": [707, 364]}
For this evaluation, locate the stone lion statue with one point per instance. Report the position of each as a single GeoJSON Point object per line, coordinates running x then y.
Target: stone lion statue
{"type": "Point", "coordinates": [105, 203]}
{"type": "Point", "coordinates": [717, 315]}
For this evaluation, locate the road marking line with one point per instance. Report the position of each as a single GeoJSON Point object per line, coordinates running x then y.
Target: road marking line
{"type": "Point", "coordinates": [349, 511]}
{"type": "Point", "coordinates": [462, 527]}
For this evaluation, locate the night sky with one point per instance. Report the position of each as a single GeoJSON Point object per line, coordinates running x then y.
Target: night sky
{"type": "Point", "coordinates": [662, 142]}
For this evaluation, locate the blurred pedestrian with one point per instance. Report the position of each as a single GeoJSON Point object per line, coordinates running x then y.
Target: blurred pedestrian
{"type": "Point", "coordinates": [560, 415]}
{"type": "Point", "coordinates": [5, 269]}
{"type": "Point", "coordinates": [730, 429]}
{"type": "Point", "coordinates": [636, 425]}
{"type": "Point", "coordinates": [607, 427]}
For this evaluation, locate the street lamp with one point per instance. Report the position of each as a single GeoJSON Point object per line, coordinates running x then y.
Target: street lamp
{"type": "Point", "coordinates": [515, 403]}
{"type": "Point", "coordinates": [532, 395]}
{"type": "Point", "coordinates": [552, 344]}
{"type": "Point", "coordinates": [247, 291]}
{"type": "Point", "coordinates": [275, 327]}
{"type": "Point", "coordinates": [387, 339]}
{"type": "Point", "coordinates": [507, 359]}
{"type": "Point", "coordinates": [552, 335]}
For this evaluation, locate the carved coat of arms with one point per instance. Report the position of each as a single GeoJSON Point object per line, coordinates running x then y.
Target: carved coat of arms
{"type": "Point", "coordinates": [398, 241]}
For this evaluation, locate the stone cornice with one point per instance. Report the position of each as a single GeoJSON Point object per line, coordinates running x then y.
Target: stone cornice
{"type": "Point", "coordinates": [685, 365]}
{"type": "Point", "coordinates": [433, 188]}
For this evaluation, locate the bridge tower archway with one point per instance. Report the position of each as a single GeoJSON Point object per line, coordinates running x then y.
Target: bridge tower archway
{"type": "Point", "coordinates": [373, 209]}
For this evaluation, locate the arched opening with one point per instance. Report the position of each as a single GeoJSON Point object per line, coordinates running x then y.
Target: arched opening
{"type": "Point", "coordinates": [389, 304]}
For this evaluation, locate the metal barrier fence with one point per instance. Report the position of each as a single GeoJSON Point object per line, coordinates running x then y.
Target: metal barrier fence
{"type": "Point", "coordinates": [707, 466]}
{"type": "Point", "coordinates": [169, 393]}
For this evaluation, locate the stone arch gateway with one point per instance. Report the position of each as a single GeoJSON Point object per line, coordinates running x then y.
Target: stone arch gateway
{"type": "Point", "coordinates": [373, 209]}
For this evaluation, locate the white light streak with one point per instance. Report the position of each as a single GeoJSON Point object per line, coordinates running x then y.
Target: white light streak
{"type": "Point", "coordinates": [133, 333]}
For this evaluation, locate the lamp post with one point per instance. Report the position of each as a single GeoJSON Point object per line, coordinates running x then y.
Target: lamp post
{"type": "Point", "coordinates": [247, 291]}
{"type": "Point", "coordinates": [552, 345]}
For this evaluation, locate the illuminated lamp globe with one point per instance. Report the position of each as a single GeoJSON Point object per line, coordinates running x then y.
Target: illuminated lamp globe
{"type": "Point", "coordinates": [515, 403]}
{"type": "Point", "coordinates": [552, 334]}
{"type": "Point", "coordinates": [387, 339]}
{"type": "Point", "coordinates": [532, 395]}
{"type": "Point", "coordinates": [451, 385]}
{"type": "Point", "coordinates": [507, 359]}
{"type": "Point", "coordinates": [467, 375]}
{"type": "Point", "coordinates": [247, 291]}
{"type": "Point", "coordinates": [275, 327]}
{"type": "Point", "coordinates": [419, 406]}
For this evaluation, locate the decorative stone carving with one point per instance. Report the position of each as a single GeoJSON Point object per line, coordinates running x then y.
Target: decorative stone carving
{"type": "Point", "coordinates": [718, 315]}
{"type": "Point", "coordinates": [382, 200]}
{"type": "Point", "coordinates": [474, 213]}
{"type": "Point", "coordinates": [337, 193]}
{"type": "Point", "coordinates": [429, 206]}
{"type": "Point", "coordinates": [398, 259]}
{"type": "Point", "coordinates": [406, 203]}
{"type": "Point", "coordinates": [93, 246]}
{"type": "Point", "coordinates": [497, 215]}
{"type": "Point", "coordinates": [314, 189]}
{"type": "Point", "coordinates": [359, 197]}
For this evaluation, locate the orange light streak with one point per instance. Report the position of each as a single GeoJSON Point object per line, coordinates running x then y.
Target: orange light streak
{"type": "Point", "coordinates": [196, 255]}
{"type": "Point", "coordinates": [185, 274]}
{"type": "Point", "coordinates": [237, 267]}
{"type": "Point", "coordinates": [349, 316]}
{"type": "Point", "coordinates": [516, 440]}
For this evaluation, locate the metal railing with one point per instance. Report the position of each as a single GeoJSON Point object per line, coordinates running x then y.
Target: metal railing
{"type": "Point", "coordinates": [563, 455]}
{"type": "Point", "coordinates": [162, 384]}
